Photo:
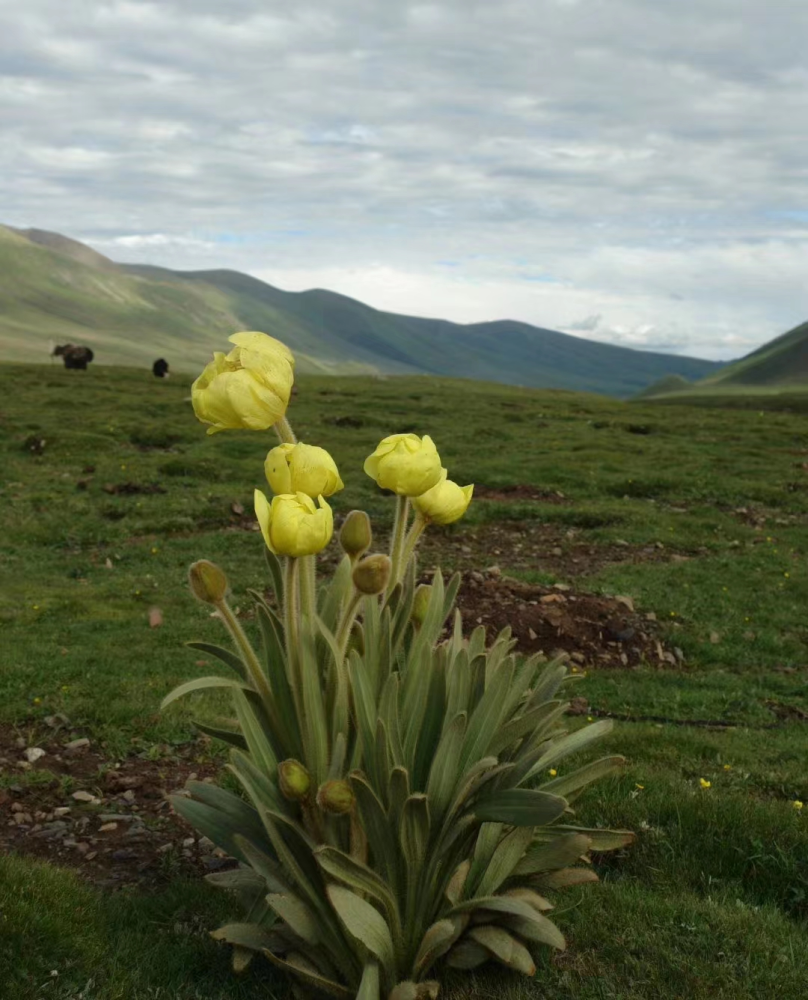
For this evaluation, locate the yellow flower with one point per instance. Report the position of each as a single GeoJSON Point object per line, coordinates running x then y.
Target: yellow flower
{"type": "Point", "coordinates": [797, 804]}
{"type": "Point", "coordinates": [552, 772]}
{"type": "Point", "coordinates": [247, 388]}
{"type": "Point", "coordinates": [292, 525]}
{"type": "Point", "coordinates": [728, 767]}
{"type": "Point", "coordinates": [639, 787]}
{"type": "Point", "coordinates": [445, 502]}
{"type": "Point", "coordinates": [302, 468]}
{"type": "Point", "coordinates": [406, 464]}
{"type": "Point", "coordinates": [704, 783]}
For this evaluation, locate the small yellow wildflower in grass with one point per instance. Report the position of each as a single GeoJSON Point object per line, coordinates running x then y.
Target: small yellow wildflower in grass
{"type": "Point", "coordinates": [786, 575]}
{"type": "Point", "coordinates": [797, 804]}
{"type": "Point", "coordinates": [123, 468]}
{"type": "Point", "coordinates": [37, 701]}
{"type": "Point", "coordinates": [154, 550]}
{"type": "Point", "coordinates": [65, 689]}
{"type": "Point", "coordinates": [590, 718]}
{"type": "Point", "coordinates": [35, 607]}
{"type": "Point", "coordinates": [728, 767]}
{"type": "Point", "coordinates": [704, 783]}
{"type": "Point", "coordinates": [639, 787]}
{"type": "Point", "coordinates": [552, 772]}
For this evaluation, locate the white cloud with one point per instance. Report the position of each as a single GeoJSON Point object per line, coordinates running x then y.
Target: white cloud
{"type": "Point", "coordinates": [642, 163]}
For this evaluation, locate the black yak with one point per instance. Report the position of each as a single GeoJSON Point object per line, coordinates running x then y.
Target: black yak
{"type": "Point", "coordinates": [73, 356]}
{"type": "Point", "coordinates": [160, 368]}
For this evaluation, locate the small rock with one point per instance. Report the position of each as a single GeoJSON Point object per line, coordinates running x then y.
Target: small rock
{"type": "Point", "coordinates": [189, 842]}
{"type": "Point", "coordinates": [129, 795]}
{"type": "Point", "coordinates": [24, 765]}
{"type": "Point", "coordinates": [77, 744]}
{"type": "Point", "coordinates": [19, 743]}
{"type": "Point", "coordinates": [715, 638]}
{"type": "Point", "coordinates": [577, 657]}
{"type": "Point", "coordinates": [33, 754]}
{"type": "Point", "coordinates": [61, 811]}
{"type": "Point", "coordinates": [107, 827]}
{"type": "Point", "coordinates": [17, 807]}
{"type": "Point", "coordinates": [494, 571]}
{"type": "Point", "coordinates": [82, 796]}
{"type": "Point", "coordinates": [91, 855]}
{"type": "Point", "coordinates": [123, 855]}
{"type": "Point", "coordinates": [50, 831]}
{"type": "Point", "coordinates": [532, 635]}
{"type": "Point", "coordinates": [23, 818]}
{"type": "Point", "coordinates": [164, 848]}
{"type": "Point", "coordinates": [626, 601]}
{"type": "Point", "coordinates": [564, 587]}
{"type": "Point", "coordinates": [621, 542]}
{"type": "Point", "coordinates": [477, 577]}
{"type": "Point", "coordinates": [557, 551]}
{"type": "Point", "coordinates": [82, 847]}
{"type": "Point", "coordinates": [679, 654]}
{"type": "Point", "coordinates": [650, 617]}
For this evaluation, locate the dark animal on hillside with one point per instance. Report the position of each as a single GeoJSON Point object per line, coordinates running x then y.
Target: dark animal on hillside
{"type": "Point", "coordinates": [73, 356]}
{"type": "Point", "coordinates": [160, 368]}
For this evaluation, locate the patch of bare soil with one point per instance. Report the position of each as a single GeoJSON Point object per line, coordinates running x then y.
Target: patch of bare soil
{"type": "Point", "coordinates": [507, 494]}
{"type": "Point", "coordinates": [130, 489]}
{"type": "Point", "coordinates": [110, 819]}
{"type": "Point", "coordinates": [590, 630]}
{"type": "Point", "coordinates": [533, 546]}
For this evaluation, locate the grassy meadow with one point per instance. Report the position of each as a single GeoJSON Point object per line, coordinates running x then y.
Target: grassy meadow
{"type": "Point", "coordinates": [110, 488]}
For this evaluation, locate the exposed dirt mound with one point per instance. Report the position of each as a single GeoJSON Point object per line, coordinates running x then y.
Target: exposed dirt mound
{"type": "Point", "coordinates": [592, 630]}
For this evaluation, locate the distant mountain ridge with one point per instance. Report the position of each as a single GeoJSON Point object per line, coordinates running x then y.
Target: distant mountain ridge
{"type": "Point", "coordinates": [55, 289]}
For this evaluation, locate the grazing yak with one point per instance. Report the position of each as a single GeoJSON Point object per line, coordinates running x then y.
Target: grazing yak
{"type": "Point", "coordinates": [160, 368]}
{"type": "Point", "coordinates": [73, 356]}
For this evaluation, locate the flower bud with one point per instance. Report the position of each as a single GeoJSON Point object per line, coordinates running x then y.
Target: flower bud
{"type": "Point", "coordinates": [336, 797]}
{"type": "Point", "coordinates": [294, 780]}
{"type": "Point", "coordinates": [208, 582]}
{"type": "Point", "coordinates": [420, 604]}
{"type": "Point", "coordinates": [302, 468]}
{"type": "Point", "coordinates": [445, 503]}
{"type": "Point", "coordinates": [371, 574]}
{"type": "Point", "coordinates": [355, 534]}
{"type": "Point", "coordinates": [405, 463]}
{"type": "Point", "coordinates": [293, 525]}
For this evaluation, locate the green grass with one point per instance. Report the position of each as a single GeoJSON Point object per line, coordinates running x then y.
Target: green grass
{"type": "Point", "coordinates": [713, 899]}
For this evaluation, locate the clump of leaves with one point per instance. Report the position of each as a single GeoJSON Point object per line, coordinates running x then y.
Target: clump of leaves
{"type": "Point", "coordinates": [396, 809]}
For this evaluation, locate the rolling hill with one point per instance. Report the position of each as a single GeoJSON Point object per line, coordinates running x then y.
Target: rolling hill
{"type": "Point", "coordinates": [54, 289]}
{"type": "Point", "coordinates": [775, 374]}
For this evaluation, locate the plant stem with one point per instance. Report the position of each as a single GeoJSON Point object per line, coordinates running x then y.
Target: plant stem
{"type": "Point", "coordinates": [346, 622]}
{"type": "Point", "coordinates": [291, 615]}
{"type": "Point", "coordinates": [284, 431]}
{"type": "Point", "coordinates": [397, 541]}
{"type": "Point", "coordinates": [246, 650]}
{"type": "Point", "coordinates": [408, 549]}
{"type": "Point", "coordinates": [308, 587]}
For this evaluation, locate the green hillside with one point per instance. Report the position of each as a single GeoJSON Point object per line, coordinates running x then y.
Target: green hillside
{"type": "Point", "coordinates": [774, 377]}
{"type": "Point", "coordinates": [54, 289]}
{"type": "Point", "coordinates": [781, 362]}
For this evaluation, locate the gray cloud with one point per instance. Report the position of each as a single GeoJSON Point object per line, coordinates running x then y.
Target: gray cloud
{"type": "Point", "coordinates": [639, 162]}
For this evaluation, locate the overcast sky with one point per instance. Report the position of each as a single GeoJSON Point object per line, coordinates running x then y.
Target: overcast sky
{"type": "Point", "coordinates": [634, 171]}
